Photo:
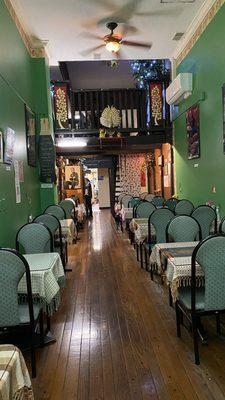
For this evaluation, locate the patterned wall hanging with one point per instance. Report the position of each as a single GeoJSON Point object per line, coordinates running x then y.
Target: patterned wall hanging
{"type": "Point", "coordinates": [61, 106]}
{"type": "Point", "coordinates": [156, 103]}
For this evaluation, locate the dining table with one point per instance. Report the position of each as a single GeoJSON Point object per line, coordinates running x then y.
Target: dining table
{"type": "Point", "coordinates": [69, 230]}
{"type": "Point", "coordinates": [47, 280]}
{"type": "Point", "coordinates": [139, 228]}
{"type": "Point", "coordinates": [126, 213]}
{"type": "Point", "coordinates": [15, 383]}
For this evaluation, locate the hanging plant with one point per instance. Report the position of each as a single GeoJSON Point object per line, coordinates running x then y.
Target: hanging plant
{"type": "Point", "coordinates": [145, 71]}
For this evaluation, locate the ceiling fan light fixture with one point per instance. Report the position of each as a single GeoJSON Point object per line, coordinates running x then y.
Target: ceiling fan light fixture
{"type": "Point", "coordinates": [112, 46]}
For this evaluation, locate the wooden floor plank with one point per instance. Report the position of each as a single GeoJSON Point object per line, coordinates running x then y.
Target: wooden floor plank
{"type": "Point", "coordinates": [116, 336]}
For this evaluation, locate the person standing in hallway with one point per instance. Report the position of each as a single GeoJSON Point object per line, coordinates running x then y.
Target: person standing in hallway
{"type": "Point", "coordinates": [88, 198]}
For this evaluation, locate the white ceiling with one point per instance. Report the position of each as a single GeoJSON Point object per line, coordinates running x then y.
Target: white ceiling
{"type": "Point", "coordinates": [62, 24]}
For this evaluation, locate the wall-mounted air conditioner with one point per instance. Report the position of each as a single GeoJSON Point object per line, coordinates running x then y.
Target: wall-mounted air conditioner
{"type": "Point", "coordinates": [180, 88]}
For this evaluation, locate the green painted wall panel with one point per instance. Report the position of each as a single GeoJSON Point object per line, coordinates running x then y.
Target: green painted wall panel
{"type": "Point", "coordinates": [207, 63]}
{"type": "Point", "coordinates": [22, 79]}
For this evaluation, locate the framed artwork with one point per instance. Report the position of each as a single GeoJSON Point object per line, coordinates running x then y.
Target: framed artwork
{"type": "Point", "coordinates": [193, 132]}
{"type": "Point", "coordinates": [30, 136]}
{"type": "Point", "coordinates": [9, 141]}
{"type": "Point", "coordinates": [1, 148]}
{"type": "Point", "coordinates": [73, 176]}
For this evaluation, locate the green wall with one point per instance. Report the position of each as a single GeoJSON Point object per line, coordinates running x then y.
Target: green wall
{"type": "Point", "coordinates": [22, 80]}
{"type": "Point", "coordinates": [207, 63]}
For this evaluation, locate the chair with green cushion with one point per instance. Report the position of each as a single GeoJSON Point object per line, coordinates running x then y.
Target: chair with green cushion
{"type": "Point", "coordinates": [206, 217]}
{"type": "Point", "coordinates": [121, 196]}
{"type": "Point", "coordinates": [34, 237]}
{"type": "Point", "coordinates": [149, 197]}
{"type": "Point", "coordinates": [159, 219]}
{"type": "Point", "coordinates": [183, 228]}
{"type": "Point", "coordinates": [171, 203]}
{"type": "Point", "coordinates": [144, 209]}
{"type": "Point", "coordinates": [196, 302]}
{"type": "Point", "coordinates": [222, 225]}
{"type": "Point", "coordinates": [125, 200]}
{"type": "Point", "coordinates": [14, 316]}
{"type": "Point", "coordinates": [133, 202]}
{"type": "Point", "coordinates": [69, 208]}
{"type": "Point", "coordinates": [158, 201]}
{"type": "Point", "coordinates": [184, 207]}
{"type": "Point", "coordinates": [56, 210]}
{"type": "Point", "coordinates": [54, 225]}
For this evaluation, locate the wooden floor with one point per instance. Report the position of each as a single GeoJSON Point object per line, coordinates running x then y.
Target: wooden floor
{"type": "Point", "coordinates": [116, 334]}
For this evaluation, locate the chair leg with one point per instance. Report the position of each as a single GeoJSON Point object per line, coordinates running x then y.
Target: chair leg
{"type": "Point", "coordinates": [141, 255]}
{"type": "Point", "coordinates": [33, 358]}
{"type": "Point", "coordinates": [146, 260]}
{"type": "Point", "coordinates": [195, 339]}
{"type": "Point", "coordinates": [170, 298]}
{"type": "Point", "coordinates": [218, 329]}
{"type": "Point", "coordinates": [41, 323]}
{"type": "Point", "coordinates": [178, 319]}
{"type": "Point", "coordinates": [137, 251]}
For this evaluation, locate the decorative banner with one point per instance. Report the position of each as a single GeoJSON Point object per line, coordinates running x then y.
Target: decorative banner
{"type": "Point", "coordinates": [143, 174]}
{"type": "Point", "coordinates": [156, 103]}
{"type": "Point", "coordinates": [61, 106]}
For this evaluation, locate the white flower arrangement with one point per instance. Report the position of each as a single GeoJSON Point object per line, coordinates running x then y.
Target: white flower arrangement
{"type": "Point", "coordinates": [110, 117]}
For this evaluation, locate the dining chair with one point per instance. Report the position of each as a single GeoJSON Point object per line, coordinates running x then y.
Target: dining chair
{"type": "Point", "coordinates": [149, 196]}
{"type": "Point", "coordinates": [158, 201]}
{"type": "Point", "coordinates": [125, 200]}
{"type": "Point", "coordinates": [69, 208]}
{"type": "Point", "coordinates": [15, 316]}
{"type": "Point", "coordinates": [56, 210]}
{"type": "Point", "coordinates": [134, 201]}
{"type": "Point", "coordinates": [34, 237]}
{"type": "Point", "coordinates": [206, 217]}
{"type": "Point", "coordinates": [222, 225]}
{"type": "Point", "coordinates": [143, 210]}
{"type": "Point", "coordinates": [53, 223]}
{"type": "Point", "coordinates": [171, 203]}
{"type": "Point", "coordinates": [195, 302]}
{"type": "Point", "coordinates": [184, 207]}
{"type": "Point", "coordinates": [159, 220]}
{"type": "Point", "coordinates": [183, 228]}
{"type": "Point", "coordinates": [121, 196]}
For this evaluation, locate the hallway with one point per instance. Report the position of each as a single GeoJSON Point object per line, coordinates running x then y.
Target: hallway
{"type": "Point", "coordinates": [116, 336]}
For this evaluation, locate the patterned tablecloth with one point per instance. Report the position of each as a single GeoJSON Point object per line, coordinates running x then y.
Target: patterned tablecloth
{"type": "Point", "coordinates": [69, 230]}
{"type": "Point", "coordinates": [15, 383]}
{"type": "Point", "coordinates": [178, 273]}
{"type": "Point", "coordinates": [80, 213]}
{"type": "Point", "coordinates": [47, 278]}
{"type": "Point", "coordinates": [126, 213]}
{"type": "Point", "coordinates": [139, 226]}
{"type": "Point", "coordinates": [156, 259]}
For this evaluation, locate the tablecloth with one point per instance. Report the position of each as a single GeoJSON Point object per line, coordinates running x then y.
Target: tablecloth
{"type": "Point", "coordinates": [80, 213]}
{"type": "Point", "coordinates": [155, 257]}
{"type": "Point", "coordinates": [69, 230]}
{"type": "Point", "coordinates": [15, 383]}
{"type": "Point", "coordinates": [47, 278]}
{"type": "Point", "coordinates": [139, 226]}
{"type": "Point", "coordinates": [126, 213]}
{"type": "Point", "coordinates": [178, 274]}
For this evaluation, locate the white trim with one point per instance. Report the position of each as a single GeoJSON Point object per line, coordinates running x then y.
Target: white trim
{"type": "Point", "coordinates": [204, 16]}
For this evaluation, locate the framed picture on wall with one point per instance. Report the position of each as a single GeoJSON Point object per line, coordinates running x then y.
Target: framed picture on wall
{"type": "Point", "coordinates": [9, 142]}
{"type": "Point", "coordinates": [193, 132]}
{"type": "Point", "coordinates": [73, 176]}
{"type": "Point", "coordinates": [1, 147]}
{"type": "Point", "coordinates": [30, 136]}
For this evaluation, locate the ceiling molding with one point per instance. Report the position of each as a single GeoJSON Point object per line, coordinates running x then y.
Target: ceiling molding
{"type": "Point", "coordinates": [196, 28]}
{"type": "Point", "coordinates": [35, 50]}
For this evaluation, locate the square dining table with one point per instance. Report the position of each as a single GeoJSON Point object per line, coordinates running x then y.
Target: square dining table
{"type": "Point", "coordinates": [15, 383]}
{"type": "Point", "coordinates": [69, 230]}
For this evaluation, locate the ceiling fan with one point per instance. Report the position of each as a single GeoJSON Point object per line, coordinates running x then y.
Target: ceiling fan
{"type": "Point", "coordinates": [112, 42]}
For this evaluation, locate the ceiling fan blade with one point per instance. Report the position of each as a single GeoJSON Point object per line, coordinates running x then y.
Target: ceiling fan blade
{"type": "Point", "coordinates": [91, 49]}
{"type": "Point", "coordinates": [123, 14]}
{"type": "Point", "coordinates": [126, 29]}
{"type": "Point", "coordinates": [108, 4]}
{"type": "Point", "coordinates": [88, 35]}
{"type": "Point", "coordinates": [137, 44]}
